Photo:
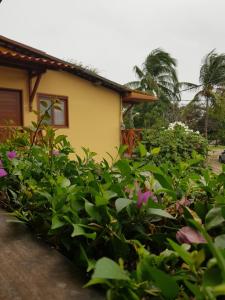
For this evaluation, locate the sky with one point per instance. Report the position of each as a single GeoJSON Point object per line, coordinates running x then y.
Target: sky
{"type": "Point", "coordinates": [114, 35]}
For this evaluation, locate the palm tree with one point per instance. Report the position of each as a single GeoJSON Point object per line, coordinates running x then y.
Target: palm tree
{"type": "Point", "coordinates": [211, 82]}
{"type": "Point", "coordinates": [157, 75]}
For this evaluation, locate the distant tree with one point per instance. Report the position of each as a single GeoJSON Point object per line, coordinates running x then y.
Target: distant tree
{"type": "Point", "coordinates": [217, 119]}
{"type": "Point", "coordinates": [156, 76]}
{"type": "Point", "coordinates": [211, 81]}
{"type": "Point", "coordinates": [192, 114]}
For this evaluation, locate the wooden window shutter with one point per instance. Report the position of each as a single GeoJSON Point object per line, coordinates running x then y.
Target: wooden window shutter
{"type": "Point", "coordinates": [10, 107]}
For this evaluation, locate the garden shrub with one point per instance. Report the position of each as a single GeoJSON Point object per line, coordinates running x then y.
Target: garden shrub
{"type": "Point", "coordinates": [176, 143]}
{"type": "Point", "coordinates": [120, 221]}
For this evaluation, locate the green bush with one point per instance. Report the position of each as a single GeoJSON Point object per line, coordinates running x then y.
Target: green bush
{"type": "Point", "coordinates": [119, 221]}
{"type": "Point", "coordinates": [177, 143]}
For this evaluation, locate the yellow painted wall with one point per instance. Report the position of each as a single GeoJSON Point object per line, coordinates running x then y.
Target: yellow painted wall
{"type": "Point", "coordinates": [94, 111]}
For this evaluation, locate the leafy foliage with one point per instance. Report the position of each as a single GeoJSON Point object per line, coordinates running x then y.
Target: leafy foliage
{"type": "Point", "coordinates": [211, 82]}
{"type": "Point", "coordinates": [175, 144]}
{"type": "Point", "coordinates": [157, 76]}
{"type": "Point", "coordinates": [119, 221]}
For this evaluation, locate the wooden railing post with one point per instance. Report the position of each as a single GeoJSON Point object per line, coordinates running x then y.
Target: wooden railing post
{"type": "Point", "coordinates": [131, 137]}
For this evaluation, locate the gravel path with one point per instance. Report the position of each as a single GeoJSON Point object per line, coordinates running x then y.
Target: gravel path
{"type": "Point", "coordinates": [213, 160]}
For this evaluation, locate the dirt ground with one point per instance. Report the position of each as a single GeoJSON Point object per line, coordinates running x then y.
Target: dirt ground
{"type": "Point", "coordinates": [213, 160]}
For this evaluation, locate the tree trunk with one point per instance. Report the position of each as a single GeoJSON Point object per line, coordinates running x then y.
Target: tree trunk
{"type": "Point", "coordinates": [206, 117]}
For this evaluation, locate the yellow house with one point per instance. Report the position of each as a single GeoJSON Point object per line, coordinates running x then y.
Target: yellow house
{"type": "Point", "coordinates": [91, 106]}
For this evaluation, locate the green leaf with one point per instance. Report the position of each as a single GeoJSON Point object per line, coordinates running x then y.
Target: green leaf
{"type": "Point", "coordinates": [220, 199]}
{"type": "Point", "coordinates": [219, 290]}
{"type": "Point", "coordinates": [56, 222]}
{"type": "Point", "coordinates": [92, 210]}
{"type": "Point", "coordinates": [44, 103]}
{"type": "Point", "coordinates": [63, 181]}
{"type": "Point", "coordinates": [132, 295]}
{"type": "Point", "coordinates": [217, 253]}
{"type": "Point", "coordinates": [106, 268]}
{"type": "Point", "coordinates": [90, 262]}
{"type": "Point", "coordinates": [109, 194]}
{"type": "Point", "coordinates": [121, 203]}
{"type": "Point", "coordinates": [122, 149]}
{"type": "Point", "coordinates": [220, 241]}
{"type": "Point", "coordinates": [95, 281]}
{"type": "Point", "coordinates": [160, 212]}
{"type": "Point", "coordinates": [78, 230]}
{"type": "Point", "coordinates": [155, 151]}
{"type": "Point", "coordinates": [195, 290]}
{"type": "Point", "coordinates": [181, 252]}
{"type": "Point", "coordinates": [214, 218]}
{"type": "Point", "coordinates": [142, 150]}
{"type": "Point", "coordinates": [60, 138]}
{"type": "Point", "coordinates": [124, 167]}
{"type": "Point", "coordinates": [153, 169]}
{"type": "Point", "coordinates": [164, 181]}
{"type": "Point", "coordinates": [45, 195]}
{"type": "Point", "coordinates": [100, 200]}
{"type": "Point", "coordinates": [212, 277]}
{"type": "Point", "coordinates": [165, 282]}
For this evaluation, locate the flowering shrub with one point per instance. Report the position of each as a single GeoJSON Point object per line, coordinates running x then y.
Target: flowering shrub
{"type": "Point", "coordinates": [175, 125]}
{"type": "Point", "coordinates": [120, 221]}
{"type": "Point", "coordinates": [176, 143]}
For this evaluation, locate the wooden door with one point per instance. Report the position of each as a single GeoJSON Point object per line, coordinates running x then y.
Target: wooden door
{"type": "Point", "coordinates": [10, 107]}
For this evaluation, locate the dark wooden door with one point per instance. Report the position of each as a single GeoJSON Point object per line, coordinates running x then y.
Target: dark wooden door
{"type": "Point", "coordinates": [10, 107]}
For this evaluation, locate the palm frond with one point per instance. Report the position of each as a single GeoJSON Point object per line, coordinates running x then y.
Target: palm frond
{"type": "Point", "coordinates": [138, 72]}
{"type": "Point", "coordinates": [188, 86]}
{"type": "Point", "coordinates": [133, 85]}
{"type": "Point", "coordinates": [158, 75]}
{"type": "Point", "coordinates": [198, 97]}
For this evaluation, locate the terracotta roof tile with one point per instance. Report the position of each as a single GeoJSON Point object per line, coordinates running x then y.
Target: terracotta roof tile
{"type": "Point", "coordinates": [23, 53]}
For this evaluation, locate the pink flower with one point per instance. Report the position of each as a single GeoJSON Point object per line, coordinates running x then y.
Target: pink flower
{"type": "Point", "coordinates": [55, 152]}
{"type": "Point", "coordinates": [3, 173]}
{"type": "Point", "coordinates": [189, 235]}
{"type": "Point", "coordinates": [143, 197]}
{"type": "Point", "coordinates": [181, 203]}
{"type": "Point", "coordinates": [11, 154]}
{"type": "Point", "coordinates": [133, 190]}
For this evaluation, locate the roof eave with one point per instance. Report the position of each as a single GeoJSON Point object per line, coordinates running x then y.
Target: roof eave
{"type": "Point", "coordinates": [72, 68]}
{"type": "Point", "coordinates": [138, 97]}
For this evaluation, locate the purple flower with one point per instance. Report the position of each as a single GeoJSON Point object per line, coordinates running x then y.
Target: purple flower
{"type": "Point", "coordinates": [55, 152]}
{"type": "Point", "coordinates": [11, 154]}
{"type": "Point", "coordinates": [189, 235]}
{"type": "Point", "coordinates": [3, 173]}
{"type": "Point", "coordinates": [143, 197]}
